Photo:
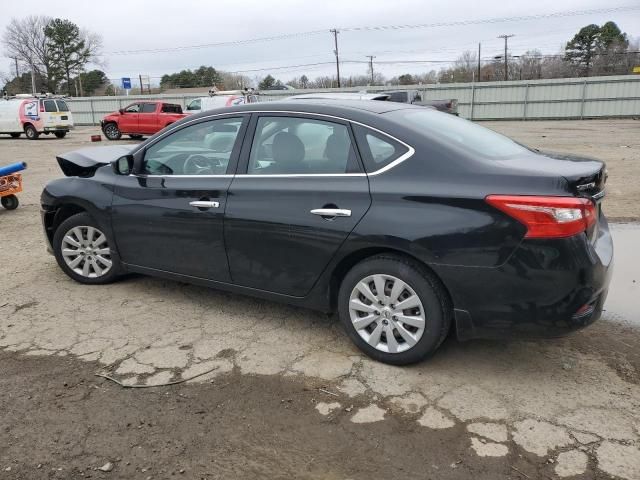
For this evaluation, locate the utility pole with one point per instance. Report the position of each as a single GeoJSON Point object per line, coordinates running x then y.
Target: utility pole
{"type": "Point", "coordinates": [335, 39]}
{"type": "Point", "coordinates": [479, 48]}
{"type": "Point", "coordinates": [33, 80]}
{"type": "Point", "coordinates": [506, 66]}
{"type": "Point", "coordinates": [141, 87]}
{"type": "Point", "coordinates": [80, 82]}
{"type": "Point", "coordinates": [371, 57]}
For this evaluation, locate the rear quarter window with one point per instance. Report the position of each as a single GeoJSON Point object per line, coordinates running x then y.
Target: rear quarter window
{"type": "Point", "coordinates": [377, 149]}
{"type": "Point", "coordinates": [62, 106]}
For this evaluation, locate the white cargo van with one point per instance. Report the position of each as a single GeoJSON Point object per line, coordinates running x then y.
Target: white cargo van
{"type": "Point", "coordinates": [34, 115]}
{"type": "Point", "coordinates": [219, 99]}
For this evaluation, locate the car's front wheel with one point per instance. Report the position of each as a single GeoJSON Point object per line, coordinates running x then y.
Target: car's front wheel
{"type": "Point", "coordinates": [111, 131]}
{"type": "Point", "coordinates": [84, 251]}
{"type": "Point", "coordinates": [394, 310]}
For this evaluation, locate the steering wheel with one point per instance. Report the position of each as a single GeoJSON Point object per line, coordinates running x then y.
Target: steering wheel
{"type": "Point", "coordinates": [199, 165]}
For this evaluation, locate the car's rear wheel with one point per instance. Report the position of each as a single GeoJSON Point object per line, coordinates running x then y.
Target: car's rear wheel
{"type": "Point", "coordinates": [84, 251]}
{"type": "Point", "coordinates": [111, 131]}
{"type": "Point", "coordinates": [60, 134]}
{"type": "Point", "coordinates": [394, 310]}
{"type": "Point", "coordinates": [31, 132]}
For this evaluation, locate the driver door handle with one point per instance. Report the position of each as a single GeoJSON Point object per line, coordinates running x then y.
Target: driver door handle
{"type": "Point", "coordinates": [331, 212]}
{"type": "Point", "coordinates": [204, 204]}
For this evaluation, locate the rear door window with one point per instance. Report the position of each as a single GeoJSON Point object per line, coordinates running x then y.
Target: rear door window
{"type": "Point", "coordinates": [50, 106]}
{"type": "Point", "coordinates": [377, 149]}
{"type": "Point", "coordinates": [62, 106]}
{"type": "Point", "coordinates": [287, 145]}
{"type": "Point", "coordinates": [148, 108]}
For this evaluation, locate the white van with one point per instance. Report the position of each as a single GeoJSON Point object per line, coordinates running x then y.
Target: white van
{"type": "Point", "coordinates": [220, 99]}
{"type": "Point", "coordinates": [34, 115]}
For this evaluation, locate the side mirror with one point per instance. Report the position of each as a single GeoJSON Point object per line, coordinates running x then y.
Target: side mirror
{"type": "Point", "coordinates": [124, 165]}
{"type": "Point", "coordinates": [121, 111]}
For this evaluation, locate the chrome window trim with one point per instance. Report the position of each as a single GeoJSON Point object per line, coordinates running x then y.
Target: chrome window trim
{"type": "Point", "coordinates": [410, 150]}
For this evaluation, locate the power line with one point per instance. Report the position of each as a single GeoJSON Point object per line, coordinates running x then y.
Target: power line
{"type": "Point", "coordinates": [570, 13]}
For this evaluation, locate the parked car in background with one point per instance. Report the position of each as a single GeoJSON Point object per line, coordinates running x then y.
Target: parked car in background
{"type": "Point", "coordinates": [414, 97]}
{"type": "Point", "coordinates": [405, 221]}
{"type": "Point", "coordinates": [280, 87]}
{"type": "Point", "coordinates": [35, 115]}
{"type": "Point", "coordinates": [141, 118]}
{"type": "Point", "coordinates": [340, 96]}
{"type": "Point", "coordinates": [218, 99]}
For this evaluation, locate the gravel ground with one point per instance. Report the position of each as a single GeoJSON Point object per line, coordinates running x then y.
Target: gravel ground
{"type": "Point", "coordinates": [282, 393]}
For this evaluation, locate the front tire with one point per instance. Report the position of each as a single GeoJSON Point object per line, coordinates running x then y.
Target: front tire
{"type": "Point", "coordinates": [31, 132]}
{"type": "Point", "coordinates": [111, 131]}
{"type": "Point", "coordinates": [394, 310]}
{"type": "Point", "coordinates": [84, 252]}
{"type": "Point", "coordinates": [60, 134]}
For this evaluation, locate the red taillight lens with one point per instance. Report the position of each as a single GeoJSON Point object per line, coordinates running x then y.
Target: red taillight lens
{"type": "Point", "coordinates": [547, 217]}
{"type": "Point", "coordinates": [42, 106]}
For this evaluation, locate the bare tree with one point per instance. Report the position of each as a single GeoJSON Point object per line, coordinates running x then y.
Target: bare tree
{"type": "Point", "coordinates": [25, 40]}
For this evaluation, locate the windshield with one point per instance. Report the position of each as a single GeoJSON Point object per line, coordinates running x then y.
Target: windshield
{"type": "Point", "coordinates": [459, 133]}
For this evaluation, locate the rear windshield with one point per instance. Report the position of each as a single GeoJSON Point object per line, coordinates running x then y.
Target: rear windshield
{"type": "Point", "coordinates": [50, 106]}
{"type": "Point", "coordinates": [458, 132]}
{"type": "Point", "coordinates": [62, 106]}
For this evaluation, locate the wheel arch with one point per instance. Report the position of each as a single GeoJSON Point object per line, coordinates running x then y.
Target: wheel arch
{"type": "Point", "coordinates": [61, 212]}
{"type": "Point", "coordinates": [353, 258]}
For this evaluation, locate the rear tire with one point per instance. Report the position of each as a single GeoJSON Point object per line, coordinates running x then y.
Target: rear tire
{"type": "Point", "coordinates": [31, 132]}
{"type": "Point", "coordinates": [111, 131]}
{"type": "Point", "coordinates": [60, 134]}
{"type": "Point", "coordinates": [374, 321]}
{"type": "Point", "coordinates": [10, 202]}
{"type": "Point", "coordinates": [85, 252]}
{"type": "Point", "coordinates": [15, 135]}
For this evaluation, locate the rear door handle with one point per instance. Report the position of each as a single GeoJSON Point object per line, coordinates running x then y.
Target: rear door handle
{"type": "Point", "coordinates": [331, 212]}
{"type": "Point", "coordinates": [204, 204]}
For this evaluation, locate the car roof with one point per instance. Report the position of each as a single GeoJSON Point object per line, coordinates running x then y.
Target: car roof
{"type": "Point", "coordinates": [321, 106]}
{"type": "Point", "coordinates": [341, 96]}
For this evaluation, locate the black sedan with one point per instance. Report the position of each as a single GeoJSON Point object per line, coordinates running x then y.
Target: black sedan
{"type": "Point", "coordinates": [406, 221]}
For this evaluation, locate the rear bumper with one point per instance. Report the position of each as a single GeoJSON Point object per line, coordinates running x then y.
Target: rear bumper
{"type": "Point", "coordinates": [547, 288]}
{"type": "Point", "coordinates": [64, 128]}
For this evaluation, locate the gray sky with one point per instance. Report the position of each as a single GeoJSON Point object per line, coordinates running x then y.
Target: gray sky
{"type": "Point", "coordinates": [134, 25]}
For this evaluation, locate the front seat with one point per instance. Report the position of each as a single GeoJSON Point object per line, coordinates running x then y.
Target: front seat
{"type": "Point", "coordinates": [288, 154]}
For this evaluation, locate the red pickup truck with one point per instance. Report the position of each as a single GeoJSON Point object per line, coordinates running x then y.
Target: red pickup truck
{"type": "Point", "coordinates": [141, 118]}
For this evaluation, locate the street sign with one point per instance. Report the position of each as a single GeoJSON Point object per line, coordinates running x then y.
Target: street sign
{"type": "Point", "coordinates": [126, 83]}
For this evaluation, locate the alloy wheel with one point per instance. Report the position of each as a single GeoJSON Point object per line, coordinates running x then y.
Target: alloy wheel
{"type": "Point", "coordinates": [111, 131]}
{"type": "Point", "coordinates": [387, 313]}
{"type": "Point", "coordinates": [86, 251]}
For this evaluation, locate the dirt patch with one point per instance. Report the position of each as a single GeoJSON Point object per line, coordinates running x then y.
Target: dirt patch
{"type": "Point", "coordinates": [59, 421]}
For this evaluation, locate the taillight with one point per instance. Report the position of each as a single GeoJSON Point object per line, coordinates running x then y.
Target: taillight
{"type": "Point", "coordinates": [547, 217]}
{"type": "Point", "coordinates": [42, 106]}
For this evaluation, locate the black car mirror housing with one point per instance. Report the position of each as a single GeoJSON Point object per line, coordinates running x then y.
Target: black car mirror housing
{"type": "Point", "coordinates": [123, 165]}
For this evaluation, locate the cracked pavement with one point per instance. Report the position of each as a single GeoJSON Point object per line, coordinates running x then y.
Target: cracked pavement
{"type": "Point", "coordinates": [574, 402]}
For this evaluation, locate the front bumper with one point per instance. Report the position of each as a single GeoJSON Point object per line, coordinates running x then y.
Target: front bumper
{"type": "Point", "coordinates": [547, 288]}
{"type": "Point", "coordinates": [47, 217]}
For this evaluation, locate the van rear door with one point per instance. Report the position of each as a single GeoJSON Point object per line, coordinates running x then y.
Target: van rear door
{"type": "Point", "coordinates": [55, 114]}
